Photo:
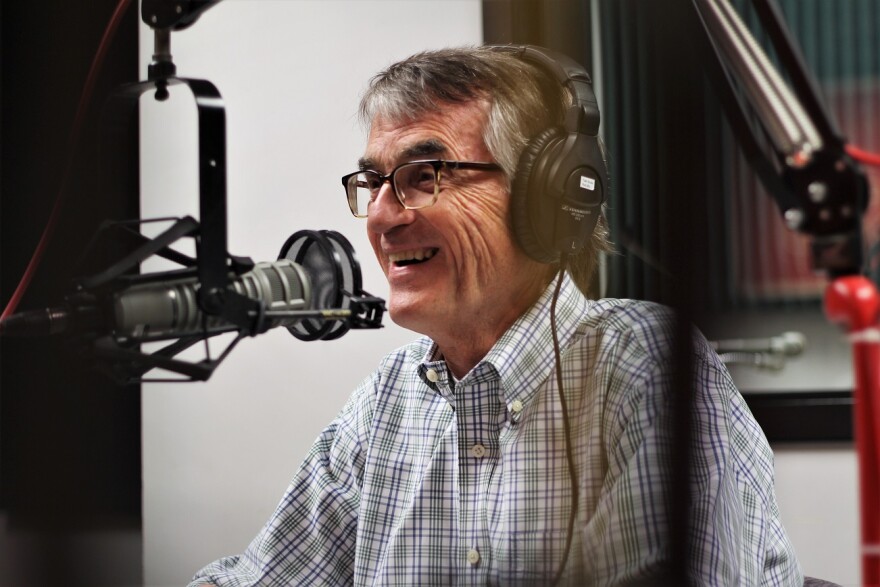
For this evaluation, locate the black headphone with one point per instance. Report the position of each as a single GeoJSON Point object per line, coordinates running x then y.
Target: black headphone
{"type": "Point", "coordinates": [562, 177]}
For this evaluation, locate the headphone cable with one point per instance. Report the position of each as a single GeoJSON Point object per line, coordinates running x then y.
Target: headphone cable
{"type": "Point", "coordinates": [569, 451]}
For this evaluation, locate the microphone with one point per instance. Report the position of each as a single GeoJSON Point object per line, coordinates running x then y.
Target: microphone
{"type": "Point", "coordinates": [315, 283]}
{"type": "Point", "coordinates": [163, 310]}
{"type": "Point", "coordinates": [313, 289]}
{"type": "Point", "coordinates": [787, 343]}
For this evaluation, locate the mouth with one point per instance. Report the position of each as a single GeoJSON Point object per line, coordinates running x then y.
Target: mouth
{"type": "Point", "coordinates": [411, 257]}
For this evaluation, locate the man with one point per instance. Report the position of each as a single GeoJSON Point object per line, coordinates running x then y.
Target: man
{"type": "Point", "coordinates": [452, 464]}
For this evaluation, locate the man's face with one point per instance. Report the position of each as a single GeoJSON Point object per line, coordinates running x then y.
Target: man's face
{"type": "Point", "coordinates": [453, 268]}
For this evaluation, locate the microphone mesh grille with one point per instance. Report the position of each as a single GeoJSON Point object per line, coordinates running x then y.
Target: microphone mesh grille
{"type": "Point", "coordinates": [275, 285]}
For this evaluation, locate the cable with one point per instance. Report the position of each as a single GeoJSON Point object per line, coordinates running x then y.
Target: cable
{"type": "Point", "coordinates": [863, 156]}
{"type": "Point", "coordinates": [569, 451]}
{"type": "Point", "coordinates": [73, 141]}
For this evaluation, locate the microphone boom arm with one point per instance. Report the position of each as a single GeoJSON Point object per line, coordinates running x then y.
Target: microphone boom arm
{"type": "Point", "coordinates": [818, 187]}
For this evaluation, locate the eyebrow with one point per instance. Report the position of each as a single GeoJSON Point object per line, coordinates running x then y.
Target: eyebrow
{"type": "Point", "coordinates": [421, 149]}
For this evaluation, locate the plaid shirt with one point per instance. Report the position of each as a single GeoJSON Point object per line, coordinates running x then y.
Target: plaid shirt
{"type": "Point", "coordinates": [424, 480]}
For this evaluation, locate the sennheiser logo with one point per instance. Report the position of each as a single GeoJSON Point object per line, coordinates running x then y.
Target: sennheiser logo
{"type": "Point", "coordinates": [588, 183]}
{"type": "Point", "coordinates": [576, 213]}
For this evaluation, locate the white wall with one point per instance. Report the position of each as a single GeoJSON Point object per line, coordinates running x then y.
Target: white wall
{"type": "Point", "coordinates": [217, 456]}
{"type": "Point", "coordinates": [817, 491]}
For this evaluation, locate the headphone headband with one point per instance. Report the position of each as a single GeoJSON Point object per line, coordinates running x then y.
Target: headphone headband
{"type": "Point", "coordinates": [583, 116]}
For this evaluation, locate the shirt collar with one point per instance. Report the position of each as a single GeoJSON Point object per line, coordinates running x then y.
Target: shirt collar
{"type": "Point", "coordinates": [523, 357]}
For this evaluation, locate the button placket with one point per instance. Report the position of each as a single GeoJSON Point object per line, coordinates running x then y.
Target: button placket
{"type": "Point", "coordinates": [479, 419]}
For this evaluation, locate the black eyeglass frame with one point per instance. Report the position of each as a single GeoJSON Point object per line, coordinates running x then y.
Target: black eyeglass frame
{"type": "Point", "coordinates": [437, 164]}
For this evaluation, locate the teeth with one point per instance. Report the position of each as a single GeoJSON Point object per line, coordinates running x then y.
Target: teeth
{"type": "Point", "coordinates": [413, 255]}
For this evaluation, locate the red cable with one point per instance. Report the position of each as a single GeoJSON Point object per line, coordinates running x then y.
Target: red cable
{"type": "Point", "coordinates": [863, 156]}
{"type": "Point", "coordinates": [76, 131]}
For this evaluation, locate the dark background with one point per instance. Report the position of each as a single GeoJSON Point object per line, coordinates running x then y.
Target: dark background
{"type": "Point", "coordinates": [70, 471]}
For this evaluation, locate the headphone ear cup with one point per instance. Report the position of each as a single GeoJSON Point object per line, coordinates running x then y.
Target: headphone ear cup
{"type": "Point", "coordinates": [530, 207]}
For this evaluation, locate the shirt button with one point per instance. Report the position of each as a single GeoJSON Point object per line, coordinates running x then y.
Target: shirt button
{"type": "Point", "coordinates": [432, 376]}
{"type": "Point", "coordinates": [473, 556]}
{"type": "Point", "coordinates": [516, 406]}
{"type": "Point", "coordinates": [478, 450]}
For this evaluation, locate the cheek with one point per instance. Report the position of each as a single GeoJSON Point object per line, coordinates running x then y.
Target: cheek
{"type": "Point", "coordinates": [482, 232]}
{"type": "Point", "coordinates": [377, 251]}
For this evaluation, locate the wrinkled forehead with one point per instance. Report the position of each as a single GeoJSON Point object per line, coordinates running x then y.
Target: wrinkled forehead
{"type": "Point", "coordinates": [428, 148]}
{"type": "Point", "coordinates": [452, 131]}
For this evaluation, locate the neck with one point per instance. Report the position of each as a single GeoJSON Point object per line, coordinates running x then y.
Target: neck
{"type": "Point", "coordinates": [464, 344]}
{"type": "Point", "coordinates": [461, 358]}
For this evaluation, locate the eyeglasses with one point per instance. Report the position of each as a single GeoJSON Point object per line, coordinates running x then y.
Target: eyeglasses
{"type": "Point", "coordinates": [415, 183]}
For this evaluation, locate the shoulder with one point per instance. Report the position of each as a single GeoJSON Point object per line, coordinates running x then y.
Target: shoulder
{"type": "Point", "coordinates": [625, 314]}
{"type": "Point", "coordinates": [397, 372]}
{"type": "Point", "coordinates": [646, 326]}
{"type": "Point", "coordinates": [629, 345]}
{"type": "Point", "coordinates": [644, 329]}
{"type": "Point", "coordinates": [398, 365]}
{"type": "Point", "coordinates": [405, 359]}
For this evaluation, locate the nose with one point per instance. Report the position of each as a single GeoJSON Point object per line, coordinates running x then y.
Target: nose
{"type": "Point", "coordinates": [386, 211]}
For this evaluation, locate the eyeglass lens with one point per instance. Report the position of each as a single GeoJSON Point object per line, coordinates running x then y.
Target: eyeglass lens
{"type": "Point", "coordinates": [415, 184]}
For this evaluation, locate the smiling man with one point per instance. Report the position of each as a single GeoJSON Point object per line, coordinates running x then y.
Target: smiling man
{"type": "Point", "coordinates": [524, 438]}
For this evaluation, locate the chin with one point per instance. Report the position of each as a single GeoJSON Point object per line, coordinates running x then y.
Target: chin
{"type": "Point", "coordinates": [408, 315]}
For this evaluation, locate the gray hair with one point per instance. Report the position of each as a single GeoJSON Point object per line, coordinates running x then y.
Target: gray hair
{"type": "Point", "coordinates": [523, 101]}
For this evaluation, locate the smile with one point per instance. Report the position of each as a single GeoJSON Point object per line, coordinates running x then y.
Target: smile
{"type": "Point", "coordinates": [404, 258]}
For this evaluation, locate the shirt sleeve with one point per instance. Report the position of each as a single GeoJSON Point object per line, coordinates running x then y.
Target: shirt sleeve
{"type": "Point", "coordinates": [310, 537]}
{"type": "Point", "coordinates": [736, 529]}
{"type": "Point", "coordinates": [735, 534]}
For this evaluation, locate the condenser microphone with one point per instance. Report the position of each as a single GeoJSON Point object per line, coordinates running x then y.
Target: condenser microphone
{"type": "Point", "coordinates": [314, 290]}
{"type": "Point", "coordinates": [166, 310]}
{"type": "Point", "coordinates": [169, 308]}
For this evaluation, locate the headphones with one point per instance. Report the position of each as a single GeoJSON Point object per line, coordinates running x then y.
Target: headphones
{"type": "Point", "coordinates": [562, 177]}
